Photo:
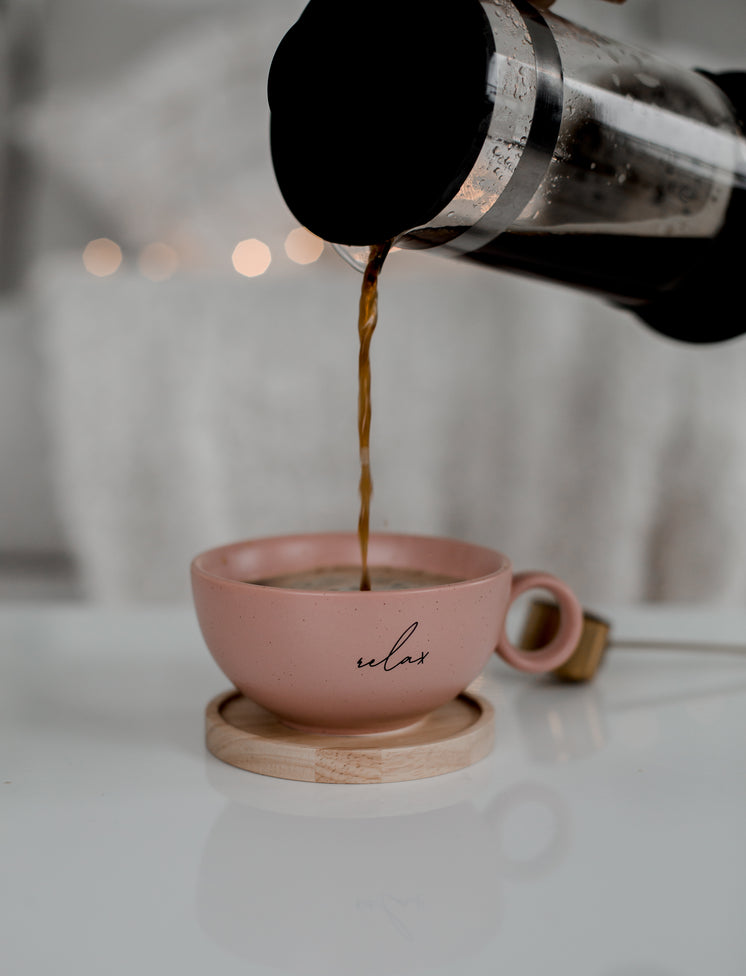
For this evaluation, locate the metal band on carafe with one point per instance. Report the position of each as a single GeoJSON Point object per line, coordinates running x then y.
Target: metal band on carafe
{"type": "Point", "coordinates": [537, 153]}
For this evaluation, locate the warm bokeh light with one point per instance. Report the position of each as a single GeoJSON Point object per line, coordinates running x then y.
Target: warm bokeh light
{"type": "Point", "coordinates": [302, 246]}
{"type": "Point", "coordinates": [158, 261]}
{"type": "Point", "coordinates": [251, 257]}
{"type": "Point", "coordinates": [102, 257]}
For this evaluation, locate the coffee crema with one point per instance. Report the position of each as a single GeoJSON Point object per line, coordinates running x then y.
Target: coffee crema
{"type": "Point", "coordinates": [339, 579]}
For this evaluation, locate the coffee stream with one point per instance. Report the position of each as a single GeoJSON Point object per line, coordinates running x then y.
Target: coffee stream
{"type": "Point", "coordinates": [367, 319]}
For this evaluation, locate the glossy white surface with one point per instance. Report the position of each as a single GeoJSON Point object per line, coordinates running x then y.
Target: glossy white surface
{"type": "Point", "coordinates": [604, 836]}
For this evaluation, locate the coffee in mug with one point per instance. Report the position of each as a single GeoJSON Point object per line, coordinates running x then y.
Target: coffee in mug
{"type": "Point", "coordinates": [340, 579]}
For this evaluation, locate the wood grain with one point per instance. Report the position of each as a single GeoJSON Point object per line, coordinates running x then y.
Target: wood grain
{"type": "Point", "coordinates": [243, 734]}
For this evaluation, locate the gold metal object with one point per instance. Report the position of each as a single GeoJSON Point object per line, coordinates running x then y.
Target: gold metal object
{"type": "Point", "coordinates": [540, 627]}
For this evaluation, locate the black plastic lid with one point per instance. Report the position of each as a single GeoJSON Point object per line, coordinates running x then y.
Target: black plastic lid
{"type": "Point", "coordinates": [378, 113]}
{"type": "Point", "coordinates": [706, 304]}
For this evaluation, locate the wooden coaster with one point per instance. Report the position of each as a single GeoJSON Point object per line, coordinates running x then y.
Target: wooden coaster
{"type": "Point", "coordinates": [244, 734]}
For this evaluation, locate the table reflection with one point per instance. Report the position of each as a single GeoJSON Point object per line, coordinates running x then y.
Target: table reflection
{"type": "Point", "coordinates": [341, 892]}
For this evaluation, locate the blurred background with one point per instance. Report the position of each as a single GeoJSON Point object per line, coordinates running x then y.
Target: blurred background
{"type": "Point", "coordinates": [178, 360]}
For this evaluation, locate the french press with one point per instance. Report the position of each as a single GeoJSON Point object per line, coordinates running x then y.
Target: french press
{"type": "Point", "coordinates": [497, 132]}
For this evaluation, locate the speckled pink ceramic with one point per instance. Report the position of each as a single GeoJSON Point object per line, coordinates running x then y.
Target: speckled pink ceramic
{"type": "Point", "coordinates": [362, 662]}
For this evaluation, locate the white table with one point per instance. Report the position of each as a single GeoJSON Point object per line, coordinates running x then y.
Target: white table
{"type": "Point", "coordinates": [604, 835]}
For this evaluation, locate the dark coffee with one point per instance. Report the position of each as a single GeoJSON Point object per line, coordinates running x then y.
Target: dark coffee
{"type": "Point", "coordinates": [367, 319]}
{"type": "Point", "coordinates": [347, 578]}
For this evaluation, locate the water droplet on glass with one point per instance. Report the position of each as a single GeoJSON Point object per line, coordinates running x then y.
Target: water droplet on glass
{"type": "Point", "coordinates": [650, 81]}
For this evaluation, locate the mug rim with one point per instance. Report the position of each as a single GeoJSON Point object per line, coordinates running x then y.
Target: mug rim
{"type": "Point", "coordinates": [198, 568]}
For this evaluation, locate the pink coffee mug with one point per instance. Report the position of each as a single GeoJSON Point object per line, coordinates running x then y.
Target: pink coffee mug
{"type": "Point", "coordinates": [357, 662]}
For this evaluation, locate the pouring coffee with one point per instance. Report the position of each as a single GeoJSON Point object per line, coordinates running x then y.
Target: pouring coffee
{"type": "Point", "coordinates": [491, 131]}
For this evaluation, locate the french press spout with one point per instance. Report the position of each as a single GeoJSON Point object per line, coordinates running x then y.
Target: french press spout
{"type": "Point", "coordinates": [497, 132]}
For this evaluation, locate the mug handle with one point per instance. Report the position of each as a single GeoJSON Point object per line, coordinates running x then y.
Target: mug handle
{"type": "Point", "coordinates": [562, 645]}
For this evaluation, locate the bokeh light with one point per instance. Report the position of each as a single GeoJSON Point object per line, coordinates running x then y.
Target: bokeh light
{"type": "Point", "coordinates": [251, 257]}
{"type": "Point", "coordinates": [302, 246]}
{"type": "Point", "coordinates": [158, 261]}
{"type": "Point", "coordinates": [102, 257]}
